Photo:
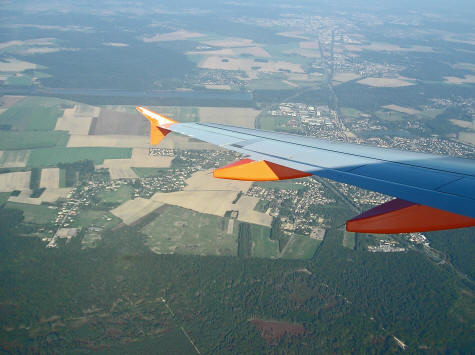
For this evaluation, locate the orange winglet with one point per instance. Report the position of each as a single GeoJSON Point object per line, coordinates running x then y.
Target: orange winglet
{"type": "Point", "coordinates": [400, 216]}
{"type": "Point", "coordinates": [157, 133]}
{"type": "Point", "coordinates": [262, 170]}
{"type": "Point", "coordinates": [158, 124]}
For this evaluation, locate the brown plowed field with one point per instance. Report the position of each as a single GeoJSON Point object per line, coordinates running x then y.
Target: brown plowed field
{"type": "Point", "coordinates": [112, 122]}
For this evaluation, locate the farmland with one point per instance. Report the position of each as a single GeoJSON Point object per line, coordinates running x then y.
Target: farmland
{"type": "Point", "coordinates": [96, 218]}
{"type": "Point", "coordinates": [31, 140]}
{"type": "Point", "coordinates": [133, 210]}
{"type": "Point", "coordinates": [300, 247]}
{"type": "Point", "coordinates": [181, 231]}
{"type": "Point", "coordinates": [54, 156]}
{"type": "Point", "coordinates": [122, 194]}
{"type": "Point", "coordinates": [13, 159]}
{"type": "Point", "coordinates": [349, 239]}
{"type": "Point", "coordinates": [34, 214]}
{"type": "Point", "coordinates": [262, 245]}
{"type": "Point", "coordinates": [33, 113]}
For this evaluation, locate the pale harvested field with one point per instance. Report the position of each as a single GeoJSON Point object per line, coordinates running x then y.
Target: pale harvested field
{"type": "Point", "coordinates": [115, 44]}
{"type": "Point", "coordinates": [78, 119]}
{"type": "Point", "coordinates": [467, 137]}
{"type": "Point", "coordinates": [227, 52]}
{"type": "Point", "coordinates": [309, 45]}
{"type": "Point", "coordinates": [231, 42]}
{"type": "Point", "coordinates": [468, 79]}
{"type": "Point", "coordinates": [344, 77]}
{"type": "Point", "coordinates": [245, 206]}
{"type": "Point", "coordinates": [408, 110]}
{"type": "Point", "coordinates": [139, 159]}
{"type": "Point", "coordinates": [24, 197]}
{"type": "Point", "coordinates": [465, 66]}
{"type": "Point", "coordinates": [122, 173]}
{"type": "Point", "coordinates": [249, 65]}
{"type": "Point", "coordinates": [52, 195]}
{"type": "Point", "coordinates": [39, 50]}
{"type": "Point", "coordinates": [243, 117]}
{"type": "Point", "coordinates": [14, 158]}
{"type": "Point", "coordinates": [303, 77]}
{"type": "Point", "coordinates": [13, 65]}
{"type": "Point", "coordinates": [215, 203]}
{"type": "Point", "coordinates": [206, 194]}
{"type": "Point", "coordinates": [179, 35]}
{"type": "Point", "coordinates": [460, 123]}
{"type": "Point", "coordinates": [255, 51]}
{"type": "Point", "coordinates": [217, 87]}
{"type": "Point", "coordinates": [211, 202]}
{"type": "Point", "coordinates": [379, 47]}
{"type": "Point", "coordinates": [109, 141]}
{"type": "Point", "coordinates": [235, 52]}
{"type": "Point", "coordinates": [15, 181]}
{"type": "Point", "coordinates": [385, 82]}
{"type": "Point", "coordinates": [204, 180]}
{"type": "Point", "coordinates": [307, 53]}
{"type": "Point", "coordinates": [49, 178]}
{"type": "Point", "coordinates": [290, 84]}
{"type": "Point", "coordinates": [293, 34]}
{"type": "Point", "coordinates": [131, 211]}
{"type": "Point", "coordinates": [10, 100]}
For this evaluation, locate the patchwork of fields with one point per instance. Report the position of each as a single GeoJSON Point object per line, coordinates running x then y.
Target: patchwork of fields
{"type": "Point", "coordinates": [42, 133]}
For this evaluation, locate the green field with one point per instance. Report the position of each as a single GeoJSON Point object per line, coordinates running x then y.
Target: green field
{"type": "Point", "coordinates": [262, 245]}
{"type": "Point", "coordinates": [350, 113]}
{"type": "Point", "coordinates": [33, 213]}
{"type": "Point", "coordinates": [15, 156]}
{"type": "Point", "coordinates": [11, 140]}
{"type": "Point", "coordinates": [123, 193]}
{"type": "Point", "coordinates": [62, 178]}
{"type": "Point", "coordinates": [390, 115]}
{"type": "Point", "coordinates": [54, 156]}
{"type": "Point", "coordinates": [277, 53]}
{"type": "Point", "coordinates": [20, 80]}
{"type": "Point", "coordinates": [262, 206]}
{"type": "Point", "coordinates": [349, 239]}
{"type": "Point", "coordinates": [181, 231]}
{"type": "Point", "coordinates": [268, 84]}
{"type": "Point", "coordinates": [149, 172]}
{"type": "Point", "coordinates": [300, 247]}
{"type": "Point", "coordinates": [271, 123]}
{"type": "Point", "coordinates": [34, 114]}
{"type": "Point", "coordinates": [4, 197]}
{"type": "Point", "coordinates": [96, 218]}
{"type": "Point", "coordinates": [179, 113]}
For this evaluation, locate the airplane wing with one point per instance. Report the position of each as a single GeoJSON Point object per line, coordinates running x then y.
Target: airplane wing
{"type": "Point", "coordinates": [432, 192]}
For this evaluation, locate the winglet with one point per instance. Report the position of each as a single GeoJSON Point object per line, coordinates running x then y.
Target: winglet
{"type": "Point", "coordinates": [158, 124]}
{"type": "Point", "coordinates": [155, 118]}
{"type": "Point", "coordinates": [400, 216]}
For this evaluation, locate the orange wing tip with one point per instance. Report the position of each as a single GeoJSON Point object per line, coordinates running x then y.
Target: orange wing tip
{"type": "Point", "coordinates": [155, 118]}
{"type": "Point", "coordinates": [262, 170]}
{"type": "Point", "coordinates": [157, 134]}
{"type": "Point", "coordinates": [400, 216]}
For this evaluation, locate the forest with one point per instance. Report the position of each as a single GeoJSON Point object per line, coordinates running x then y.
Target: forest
{"type": "Point", "coordinates": [64, 299]}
